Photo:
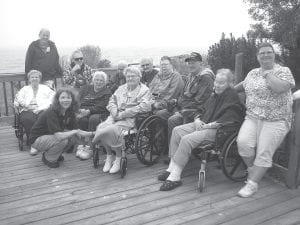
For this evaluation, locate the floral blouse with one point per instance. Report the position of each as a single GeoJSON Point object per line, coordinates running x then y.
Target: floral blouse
{"type": "Point", "coordinates": [262, 102]}
{"type": "Point", "coordinates": [79, 78]}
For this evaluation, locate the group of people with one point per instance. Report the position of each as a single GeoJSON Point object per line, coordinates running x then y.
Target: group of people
{"type": "Point", "coordinates": [194, 107]}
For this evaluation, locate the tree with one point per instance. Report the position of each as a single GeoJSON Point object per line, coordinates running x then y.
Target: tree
{"type": "Point", "coordinates": [222, 54]}
{"type": "Point", "coordinates": [279, 21]}
{"type": "Point", "coordinates": [92, 56]}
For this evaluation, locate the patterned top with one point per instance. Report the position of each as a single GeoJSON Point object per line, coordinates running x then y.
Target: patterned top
{"type": "Point", "coordinates": [79, 78]}
{"type": "Point", "coordinates": [262, 102]}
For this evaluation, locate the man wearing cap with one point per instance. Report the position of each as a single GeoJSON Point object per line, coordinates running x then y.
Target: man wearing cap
{"type": "Point", "coordinates": [148, 72]}
{"type": "Point", "coordinates": [197, 90]}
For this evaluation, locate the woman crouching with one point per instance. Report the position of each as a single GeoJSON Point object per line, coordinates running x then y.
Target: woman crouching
{"type": "Point", "coordinates": [55, 130]}
{"type": "Point", "coordinates": [223, 106]}
{"type": "Point", "coordinates": [127, 101]}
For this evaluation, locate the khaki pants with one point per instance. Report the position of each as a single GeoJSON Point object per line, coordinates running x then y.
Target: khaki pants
{"type": "Point", "coordinates": [184, 139]}
{"type": "Point", "coordinates": [53, 147]}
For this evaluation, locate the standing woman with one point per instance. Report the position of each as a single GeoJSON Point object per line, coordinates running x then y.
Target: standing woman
{"type": "Point", "coordinates": [268, 116]}
{"type": "Point", "coordinates": [56, 128]}
{"type": "Point", "coordinates": [77, 74]}
{"type": "Point", "coordinates": [32, 99]}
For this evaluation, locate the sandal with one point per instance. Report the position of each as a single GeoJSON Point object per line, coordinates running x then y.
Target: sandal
{"type": "Point", "coordinates": [170, 185]}
{"type": "Point", "coordinates": [163, 176]}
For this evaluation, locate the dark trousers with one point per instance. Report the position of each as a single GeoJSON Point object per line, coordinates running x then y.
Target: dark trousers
{"type": "Point", "coordinates": [27, 119]}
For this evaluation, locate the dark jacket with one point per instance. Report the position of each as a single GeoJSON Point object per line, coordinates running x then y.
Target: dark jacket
{"type": "Point", "coordinates": [47, 63]}
{"type": "Point", "coordinates": [52, 121]}
{"type": "Point", "coordinates": [147, 77]}
{"type": "Point", "coordinates": [197, 90]}
{"type": "Point", "coordinates": [96, 102]}
{"type": "Point", "coordinates": [224, 108]}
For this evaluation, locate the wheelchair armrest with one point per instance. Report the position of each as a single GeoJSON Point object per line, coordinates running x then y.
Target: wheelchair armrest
{"type": "Point", "coordinates": [224, 131]}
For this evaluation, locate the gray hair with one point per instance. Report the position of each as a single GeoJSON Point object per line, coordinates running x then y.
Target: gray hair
{"type": "Point", "coordinates": [31, 72]}
{"type": "Point", "coordinates": [229, 74]}
{"type": "Point", "coordinates": [100, 73]}
{"type": "Point", "coordinates": [133, 69]}
{"type": "Point", "coordinates": [76, 52]}
{"type": "Point", "coordinates": [148, 60]}
{"type": "Point", "coordinates": [43, 30]}
{"type": "Point", "coordinates": [122, 64]}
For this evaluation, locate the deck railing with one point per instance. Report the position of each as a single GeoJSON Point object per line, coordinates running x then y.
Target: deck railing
{"type": "Point", "coordinates": [12, 82]}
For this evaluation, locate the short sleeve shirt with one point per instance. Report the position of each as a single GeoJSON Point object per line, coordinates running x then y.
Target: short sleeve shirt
{"type": "Point", "coordinates": [262, 102]}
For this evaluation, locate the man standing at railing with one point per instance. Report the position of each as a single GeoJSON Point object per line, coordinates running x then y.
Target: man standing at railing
{"type": "Point", "coordinates": [42, 55]}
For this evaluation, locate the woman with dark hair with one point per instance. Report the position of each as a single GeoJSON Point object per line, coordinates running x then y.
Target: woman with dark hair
{"type": "Point", "coordinates": [268, 115]}
{"type": "Point", "coordinates": [56, 129]}
{"type": "Point", "coordinates": [77, 74]}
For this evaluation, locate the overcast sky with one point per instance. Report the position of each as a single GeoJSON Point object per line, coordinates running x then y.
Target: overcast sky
{"type": "Point", "coordinates": [117, 23]}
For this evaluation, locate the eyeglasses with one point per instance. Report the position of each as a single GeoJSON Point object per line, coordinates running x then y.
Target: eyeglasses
{"type": "Point", "coordinates": [145, 65]}
{"type": "Point", "coordinates": [266, 53]}
{"type": "Point", "coordinates": [77, 59]}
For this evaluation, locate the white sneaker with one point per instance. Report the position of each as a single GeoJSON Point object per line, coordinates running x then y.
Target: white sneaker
{"type": "Point", "coordinates": [80, 148]}
{"type": "Point", "coordinates": [108, 163]}
{"type": "Point", "coordinates": [86, 153]}
{"type": "Point", "coordinates": [249, 189]}
{"type": "Point", "coordinates": [33, 151]}
{"type": "Point", "coordinates": [116, 166]}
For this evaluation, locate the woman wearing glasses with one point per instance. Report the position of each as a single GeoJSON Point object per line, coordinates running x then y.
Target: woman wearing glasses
{"type": "Point", "coordinates": [268, 115]}
{"type": "Point", "coordinates": [77, 74]}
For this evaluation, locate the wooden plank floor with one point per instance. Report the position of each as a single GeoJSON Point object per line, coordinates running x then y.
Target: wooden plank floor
{"type": "Point", "coordinates": [76, 193]}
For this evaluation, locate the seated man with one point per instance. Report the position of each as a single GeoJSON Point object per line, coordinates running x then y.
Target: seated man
{"type": "Point", "coordinates": [223, 106]}
{"type": "Point", "coordinates": [119, 79]}
{"type": "Point", "coordinates": [166, 85]}
{"type": "Point", "coordinates": [93, 101]}
{"type": "Point", "coordinates": [198, 89]}
{"type": "Point", "coordinates": [148, 72]}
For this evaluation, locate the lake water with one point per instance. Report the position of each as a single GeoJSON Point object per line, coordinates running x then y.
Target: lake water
{"type": "Point", "coordinates": [12, 59]}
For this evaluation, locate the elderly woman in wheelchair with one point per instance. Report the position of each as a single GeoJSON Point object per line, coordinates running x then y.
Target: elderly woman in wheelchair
{"type": "Point", "coordinates": [223, 106]}
{"type": "Point", "coordinates": [127, 101]}
{"type": "Point", "coordinates": [31, 100]}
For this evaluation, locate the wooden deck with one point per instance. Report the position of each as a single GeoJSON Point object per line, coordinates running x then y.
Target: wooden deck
{"type": "Point", "coordinates": [76, 193]}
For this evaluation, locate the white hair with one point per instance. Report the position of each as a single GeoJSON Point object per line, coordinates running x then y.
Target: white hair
{"type": "Point", "coordinates": [101, 73]}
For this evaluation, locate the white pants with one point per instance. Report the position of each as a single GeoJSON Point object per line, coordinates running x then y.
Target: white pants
{"type": "Point", "coordinates": [259, 139]}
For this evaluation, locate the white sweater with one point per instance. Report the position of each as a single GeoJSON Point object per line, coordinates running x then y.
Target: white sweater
{"type": "Point", "coordinates": [44, 97]}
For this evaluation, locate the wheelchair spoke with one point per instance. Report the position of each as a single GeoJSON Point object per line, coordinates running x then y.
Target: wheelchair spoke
{"type": "Point", "coordinates": [238, 162]}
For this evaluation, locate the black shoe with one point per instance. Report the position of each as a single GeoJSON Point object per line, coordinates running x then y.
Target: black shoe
{"type": "Point", "coordinates": [163, 176]}
{"type": "Point", "coordinates": [48, 163]}
{"type": "Point", "coordinates": [61, 158]}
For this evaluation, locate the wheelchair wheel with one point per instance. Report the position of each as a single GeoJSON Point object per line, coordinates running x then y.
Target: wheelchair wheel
{"type": "Point", "coordinates": [151, 140]}
{"type": "Point", "coordinates": [232, 164]}
{"type": "Point", "coordinates": [95, 157]}
{"type": "Point", "coordinates": [123, 166]}
{"type": "Point", "coordinates": [201, 181]}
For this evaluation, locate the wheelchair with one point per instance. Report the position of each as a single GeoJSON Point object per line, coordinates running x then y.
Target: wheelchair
{"type": "Point", "coordinates": [19, 130]}
{"type": "Point", "coordinates": [224, 149]}
{"type": "Point", "coordinates": [148, 140]}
